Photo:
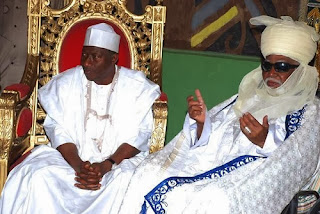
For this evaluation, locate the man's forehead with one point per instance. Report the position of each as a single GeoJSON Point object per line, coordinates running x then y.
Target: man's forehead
{"type": "Point", "coordinates": [278, 57]}
{"type": "Point", "coordinates": [94, 49]}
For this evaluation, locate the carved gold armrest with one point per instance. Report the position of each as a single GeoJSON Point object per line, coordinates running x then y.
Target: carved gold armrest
{"type": "Point", "coordinates": [12, 103]}
{"type": "Point", "coordinates": [160, 113]}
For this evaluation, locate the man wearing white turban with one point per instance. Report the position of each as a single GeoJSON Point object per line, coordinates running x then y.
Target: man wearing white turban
{"type": "Point", "coordinates": [99, 122]}
{"type": "Point", "coordinates": [251, 153]}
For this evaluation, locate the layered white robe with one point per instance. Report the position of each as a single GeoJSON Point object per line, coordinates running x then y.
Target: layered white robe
{"type": "Point", "coordinates": [265, 185]}
{"type": "Point", "coordinates": [44, 181]}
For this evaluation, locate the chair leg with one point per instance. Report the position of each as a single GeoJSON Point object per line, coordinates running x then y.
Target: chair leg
{"type": "Point", "coordinates": [3, 173]}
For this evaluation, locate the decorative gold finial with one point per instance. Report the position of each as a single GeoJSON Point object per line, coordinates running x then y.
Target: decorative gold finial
{"type": "Point", "coordinates": [314, 18]}
{"type": "Point", "coordinates": [159, 2]}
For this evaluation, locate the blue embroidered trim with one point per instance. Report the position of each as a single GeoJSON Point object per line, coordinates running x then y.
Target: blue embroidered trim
{"type": "Point", "coordinates": [144, 208]}
{"type": "Point", "coordinates": [156, 197]}
{"type": "Point", "coordinates": [293, 121]}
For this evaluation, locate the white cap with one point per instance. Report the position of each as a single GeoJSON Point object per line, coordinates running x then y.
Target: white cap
{"type": "Point", "coordinates": [103, 36]}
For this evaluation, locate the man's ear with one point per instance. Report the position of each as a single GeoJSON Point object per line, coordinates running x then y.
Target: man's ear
{"type": "Point", "coordinates": [115, 58]}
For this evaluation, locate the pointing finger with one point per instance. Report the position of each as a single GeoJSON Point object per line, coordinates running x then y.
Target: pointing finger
{"type": "Point", "coordinates": [199, 97]}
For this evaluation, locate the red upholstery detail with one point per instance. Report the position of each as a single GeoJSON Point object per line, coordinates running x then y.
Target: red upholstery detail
{"type": "Point", "coordinates": [19, 160]}
{"type": "Point", "coordinates": [163, 97]}
{"type": "Point", "coordinates": [24, 122]}
{"type": "Point", "coordinates": [70, 53]}
{"type": "Point", "coordinates": [22, 89]}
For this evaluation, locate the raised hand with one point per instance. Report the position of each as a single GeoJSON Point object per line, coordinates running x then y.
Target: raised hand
{"type": "Point", "coordinates": [197, 108]}
{"type": "Point", "coordinates": [197, 111]}
{"type": "Point", "coordinates": [253, 130]}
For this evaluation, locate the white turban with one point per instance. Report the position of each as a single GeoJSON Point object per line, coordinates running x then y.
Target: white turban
{"type": "Point", "coordinates": [286, 37]}
{"type": "Point", "coordinates": [292, 39]}
{"type": "Point", "coordinates": [103, 36]}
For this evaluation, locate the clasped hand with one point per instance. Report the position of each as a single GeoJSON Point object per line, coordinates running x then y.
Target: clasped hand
{"type": "Point", "coordinates": [88, 176]}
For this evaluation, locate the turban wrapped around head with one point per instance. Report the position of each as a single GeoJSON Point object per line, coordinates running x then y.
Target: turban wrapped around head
{"type": "Point", "coordinates": [292, 39]}
{"type": "Point", "coordinates": [286, 37]}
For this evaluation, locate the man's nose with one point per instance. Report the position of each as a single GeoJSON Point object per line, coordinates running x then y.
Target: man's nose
{"type": "Point", "coordinates": [272, 71]}
{"type": "Point", "coordinates": [87, 61]}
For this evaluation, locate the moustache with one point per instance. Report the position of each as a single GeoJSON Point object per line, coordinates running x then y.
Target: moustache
{"type": "Point", "coordinates": [273, 80]}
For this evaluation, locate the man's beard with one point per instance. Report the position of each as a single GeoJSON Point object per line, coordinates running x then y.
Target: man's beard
{"type": "Point", "coordinates": [273, 80]}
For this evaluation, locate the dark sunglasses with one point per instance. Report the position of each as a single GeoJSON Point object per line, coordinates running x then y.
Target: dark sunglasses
{"type": "Point", "coordinates": [280, 67]}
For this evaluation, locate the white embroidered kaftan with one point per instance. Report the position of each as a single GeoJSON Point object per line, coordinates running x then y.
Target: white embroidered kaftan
{"type": "Point", "coordinates": [44, 181]}
{"type": "Point", "coordinates": [265, 185]}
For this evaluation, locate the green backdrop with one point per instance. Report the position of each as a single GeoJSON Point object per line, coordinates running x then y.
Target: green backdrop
{"type": "Point", "coordinates": [216, 75]}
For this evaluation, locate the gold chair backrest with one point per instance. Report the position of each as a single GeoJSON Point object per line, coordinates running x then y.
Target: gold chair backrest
{"type": "Point", "coordinates": [48, 27]}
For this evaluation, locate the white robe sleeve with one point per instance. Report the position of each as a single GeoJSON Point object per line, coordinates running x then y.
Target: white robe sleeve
{"type": "Point", "coordinates": [56, 133]}
{"type": "Point", "coordinates": [192, 126]}
{"type": "Point", "coordinates": [137, 129]}
{"type": "Point", "coordinates": [145, 118]}
{"type": "Point", "coordinates": [212, 120]}
{"type": "Point", "coordinates": [275, 137]}
{"type": "Point", "coordinates": [144, 131]}
{"type": "Point", "coordinates": [55, 98]}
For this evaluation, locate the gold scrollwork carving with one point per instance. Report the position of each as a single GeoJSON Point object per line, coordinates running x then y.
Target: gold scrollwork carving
{"type": "Point", "coordinates": [158, 15]}
{"type": "Point", "coordinates": [156, 54]}
{"type": "Point", "coordinates": [30, 74]}
{"type": "Point", "coordinates": [34, 7]}
{"type": "Point", "coordinates": [148, 16]}
{"type": "Point", "coordinates": [8, 102]}
{"type": "Point", "coordinates": [160, 113]}
{"type": "Point", "coordinates": [313, 19]}
{"type": "Point", "coordinates": [33, 35]}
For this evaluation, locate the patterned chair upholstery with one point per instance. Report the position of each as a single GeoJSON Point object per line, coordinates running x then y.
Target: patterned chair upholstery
{"type": "Point", "coordinates": [55, 39]}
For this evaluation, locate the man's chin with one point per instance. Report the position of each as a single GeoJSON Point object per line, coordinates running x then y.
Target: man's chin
{"type": "Point", "coordinates": [273, 86]}
{"type": "Point", "coordinates": [88, 77]}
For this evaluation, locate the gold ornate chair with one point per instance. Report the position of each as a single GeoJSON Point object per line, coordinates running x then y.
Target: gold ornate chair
{"type": "Point", "coordinates": [55, 38]}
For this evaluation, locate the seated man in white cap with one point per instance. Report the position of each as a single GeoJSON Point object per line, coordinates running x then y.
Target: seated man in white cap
{"type": "Point", "coordinates": [251, 153]}
{"type": "Point", "coordinates": [99, 121]}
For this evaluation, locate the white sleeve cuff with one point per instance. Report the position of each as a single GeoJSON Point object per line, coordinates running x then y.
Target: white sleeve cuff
{"type": "Point", "coordinates": [190, 126]}
{"type": "Point", "coordinates": [275, 137]}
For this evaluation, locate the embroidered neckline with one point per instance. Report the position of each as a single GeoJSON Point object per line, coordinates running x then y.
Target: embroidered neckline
{"type": "Point", "coordinates": [106, 116]}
